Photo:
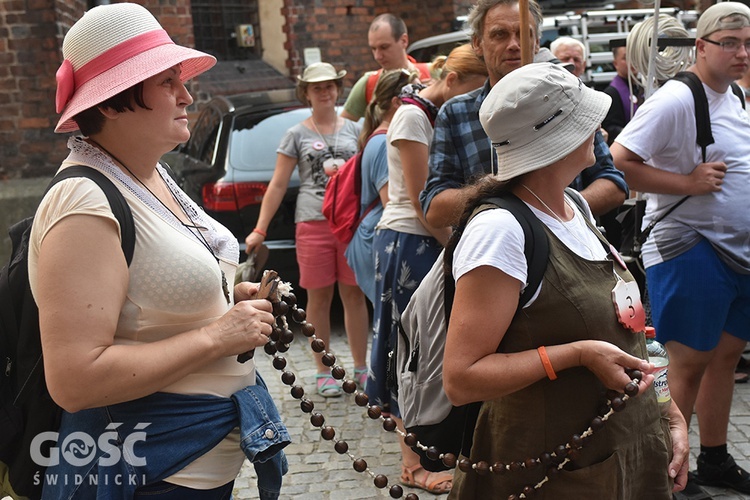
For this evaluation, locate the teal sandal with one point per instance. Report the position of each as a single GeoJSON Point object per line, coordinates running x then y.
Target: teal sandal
{"type": "Point", "coordinates": [360, 377]}
{"type": "Point", "coordinates": [327, 385]}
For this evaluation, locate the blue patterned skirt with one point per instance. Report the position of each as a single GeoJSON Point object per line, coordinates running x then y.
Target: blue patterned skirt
{"type": "Point", "coordinates": [401, 262]}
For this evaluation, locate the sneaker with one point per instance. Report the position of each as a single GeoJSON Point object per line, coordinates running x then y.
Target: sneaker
{"type": "Point", "coordinates": [725, 475]}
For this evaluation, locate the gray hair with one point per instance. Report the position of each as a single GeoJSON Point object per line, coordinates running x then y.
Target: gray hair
{"type": "Point", "coordinates": [479, 11]}
{"type": "Point", "coordinates": [565, 41]}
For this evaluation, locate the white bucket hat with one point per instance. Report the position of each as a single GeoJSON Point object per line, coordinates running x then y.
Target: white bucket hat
{"type": "Point", "coordinates": [320, 72]}
{"type": "Point", "coordinates": [110, 49]}
{"type": "Point", "coordinates": [538, 114]}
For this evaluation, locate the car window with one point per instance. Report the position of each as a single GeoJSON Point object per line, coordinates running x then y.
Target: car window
{"type": "Point", "coordinates": [202, 142]}
{"type": "Point", "coordinates": [255, 138]}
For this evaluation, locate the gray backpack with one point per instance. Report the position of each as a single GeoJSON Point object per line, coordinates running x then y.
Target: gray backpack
{"type": "Point", "coordinates": [425, 409]}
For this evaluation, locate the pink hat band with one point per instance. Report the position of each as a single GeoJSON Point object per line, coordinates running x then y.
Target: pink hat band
{"type": "Point", "coordinates": [68, 79]}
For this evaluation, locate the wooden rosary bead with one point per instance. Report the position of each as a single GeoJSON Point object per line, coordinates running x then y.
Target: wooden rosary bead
{"type": "Point", "coordinates": [288, 377]}
{"type": "Point", "coordinates": [318, 345]}
{"type": "Point", "coordinates": [449, 459]}
{"type": "Point", "coordinates": [270, 348]}
{"type": "Point", "coordinates": [374, 412]}
{"type": "Point", "coordinates": [498, 468]}
{"type": "Point", "coordinates": [317, 419]}
{"type": "Point", "coordinates": [328, 433]}
{"type": "Point", "coordinates": [482, 468]}
{"type": "Point", "coordinates": [515, 466]}
{"type": "Point", "coordinates": [411, 439]}
{"type": "Point", "coordinates": [530, 463]}
{"type": "Point", "coordinates": [328, 359]}
{"type": "Point", "coordinates": [349, 386]}
{"type": "Point", "coordinates": [561, 451]}
{"type": "Point", "coordinates": [297, 392]}
{"type": "Point", "coordinates": [338, 372]}
{"type": "Point", "coordinates": [275, 333]}
{"type": "Point", "coordinates": [299, 315]}
{"type": "Point", "coordinates": [513, 497]}
{"type": "Point", "coordinates": [361, 399]}
{"type": "Point", "coordinates": [389, 424]}
{"type": "Point", "coordinates": [576, 441]}
{"type": "Point", "coordinates": [380, 481]}
{"type": "Point", "coordinates": [631, 389]}
{"type": "Point", "coordinates": [279, 362]}
{"type": "Point", "coordinates": [433, 453]}
{"type": "Point", "coordinates": [597, 423]}
{"type": "Point", "coordinates": [286, 336]}
{"type": "Point", "coordinates": [545, 459]}
{"type": "Point", "coordinates": [396, 491]}
{"type": "Point", "coordinates": [618, 404]}
{"type": "Point", "coordinates": [282, 347]}
{"type": "Point", "coordinates": [280, 308]}
{"type": "Point", "coordinates": [411, 496]}
{"type": "Point", "coordinates": [307, 405]}
{"type": "Point", "coordinates": [464, 465]}
{"type": "Point", "coordinates": [341, 447]}
{"type": "Point", "coordinates": [636, 374]}
{"type": "Point", "coordinates": [360, 465]}
{"type": "Point", "coordinates": [528, 491]}
{"type": "Point", "coordinates": [290, 299]}
{"type": "Point", "coordinates": [308, 330]}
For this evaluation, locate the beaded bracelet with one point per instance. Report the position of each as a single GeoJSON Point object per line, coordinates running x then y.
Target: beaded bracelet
{"type": "Point", "coordinates": [546, 363]}
{"type": "Point", "coordinates": [260, 232]}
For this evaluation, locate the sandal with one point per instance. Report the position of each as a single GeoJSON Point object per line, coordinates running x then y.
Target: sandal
{"type": "Point", "coordinates": [327, 386]}
{"type": "Point", "coordinates": [360, 377]}
{"type": "Point", "coordinates": [437, 483]}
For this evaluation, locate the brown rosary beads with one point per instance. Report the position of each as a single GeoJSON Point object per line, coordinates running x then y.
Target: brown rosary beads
{"type": "Point", "coordinates": [283, 299]}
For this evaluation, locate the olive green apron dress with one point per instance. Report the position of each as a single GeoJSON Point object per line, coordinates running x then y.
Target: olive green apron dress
{"type": "Point", "coordinates": [628, 458]}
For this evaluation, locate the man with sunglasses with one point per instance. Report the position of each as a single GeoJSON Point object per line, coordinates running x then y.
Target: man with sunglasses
{"type": "Point", "coordinates": [698, 257]}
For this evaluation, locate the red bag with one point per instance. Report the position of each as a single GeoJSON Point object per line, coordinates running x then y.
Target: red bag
{"type": "Point", "coordinates": [343, 196]}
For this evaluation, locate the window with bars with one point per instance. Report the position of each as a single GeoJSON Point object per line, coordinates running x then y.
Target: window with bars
{"type": "Point", "coordinates": [215, 25]}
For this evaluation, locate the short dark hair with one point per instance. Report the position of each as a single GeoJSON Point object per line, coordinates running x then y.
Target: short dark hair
{"type": "Point", "coordinates": [398, 26]}
{"type": "Point", "coordinates": [91, 120]}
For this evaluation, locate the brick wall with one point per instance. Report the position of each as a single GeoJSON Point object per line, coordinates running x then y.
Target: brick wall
{"type": "Point", "coordinates": [339, 28]}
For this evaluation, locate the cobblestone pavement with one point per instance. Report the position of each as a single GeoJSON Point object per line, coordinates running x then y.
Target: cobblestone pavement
{"type": "Point", "coordinates": [317, 472]}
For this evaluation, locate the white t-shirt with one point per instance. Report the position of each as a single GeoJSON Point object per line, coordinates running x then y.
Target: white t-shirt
{"type": "Point", "coordinates": [495, 238]}
{"type": "Point", "coordinates": [409, 123]}
{"type": "Point", "coordinates": [662, 132]}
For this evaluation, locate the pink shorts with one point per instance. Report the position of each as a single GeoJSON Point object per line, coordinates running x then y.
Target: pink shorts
{"type": "Point", "coordinates": [320, 256]}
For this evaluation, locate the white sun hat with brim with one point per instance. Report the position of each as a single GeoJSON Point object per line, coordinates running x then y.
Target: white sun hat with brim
{"type": "Point", "coordinates": [320, 72]}
{"type": "Point", "coordinates": [110, 49]}
{"type": "Point", "coordinates": [537, 115]}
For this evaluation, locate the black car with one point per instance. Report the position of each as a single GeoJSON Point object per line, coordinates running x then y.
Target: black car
{"type": "Point", "coordinates": [229, 160]}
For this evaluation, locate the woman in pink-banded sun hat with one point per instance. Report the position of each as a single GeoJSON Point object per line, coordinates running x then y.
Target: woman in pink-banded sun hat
{"type": "Point", "coordinates": [144, 341]}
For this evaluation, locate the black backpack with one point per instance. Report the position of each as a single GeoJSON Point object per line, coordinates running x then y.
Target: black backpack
{"type": "Point", "coordinates": [416, 364]}
{"type": "Point", "coordinates": [26, 408]}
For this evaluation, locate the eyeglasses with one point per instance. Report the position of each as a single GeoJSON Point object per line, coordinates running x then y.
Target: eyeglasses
{"type": "Point", "coordinates": [731, 46]}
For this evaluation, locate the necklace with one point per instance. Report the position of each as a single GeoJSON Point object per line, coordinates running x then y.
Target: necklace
{"type": "Point", "coordinates": [559, 219]}
{"type": "Point", "coordinates": [192, 227]}
{"type": "Point", "coordinates": [332, 164]}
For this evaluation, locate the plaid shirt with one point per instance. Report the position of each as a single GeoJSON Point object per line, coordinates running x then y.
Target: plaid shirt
{"type": "Point", "coordinates": [461, 150]}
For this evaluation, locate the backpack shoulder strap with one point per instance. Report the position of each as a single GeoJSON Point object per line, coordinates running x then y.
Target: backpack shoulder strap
{"type": "Point", "coordinates": [739, 93]}
{"type": "Point", "coordinates": [536, 245]}
{"type": "Point", "coordinates": [117, 202]}
{"type": "Point", "coordinates": [703, 135]}
{"type": "Point", "coordinates": [372, 80]}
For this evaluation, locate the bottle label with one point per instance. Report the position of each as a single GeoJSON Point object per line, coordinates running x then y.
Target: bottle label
{"type": "Point", "coordinates": [660, 385]}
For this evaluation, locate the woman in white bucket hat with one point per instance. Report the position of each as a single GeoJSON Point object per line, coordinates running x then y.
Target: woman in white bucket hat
{"type": "Point", "coordinates": [148, 349]}
{"type": "Point", "coordinates": [317, 146]}
{"type": "Point", "coordinates": [543, 372]}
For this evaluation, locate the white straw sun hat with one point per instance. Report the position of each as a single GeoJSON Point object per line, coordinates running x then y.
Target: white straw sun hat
{"type": "Point", "coordinates": [538, 114]}
{"type": "Point", "coordinates": [320, 72]}
{"type": "Point", "coordinates": [110, 49]}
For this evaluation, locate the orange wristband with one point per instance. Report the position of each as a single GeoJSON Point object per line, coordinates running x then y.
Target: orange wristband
{"type": "Point", "coordinates": [545, 362]}
{"type": "Point", "coordinates": [260, 232]}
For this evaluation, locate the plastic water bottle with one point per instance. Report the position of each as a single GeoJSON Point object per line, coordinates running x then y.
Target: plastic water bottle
{"type": "Point", "coordinates": [657, 355]}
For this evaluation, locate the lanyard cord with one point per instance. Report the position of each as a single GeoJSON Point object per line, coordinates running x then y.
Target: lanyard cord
{"type": "Point", "coordinates": [336, 140]}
